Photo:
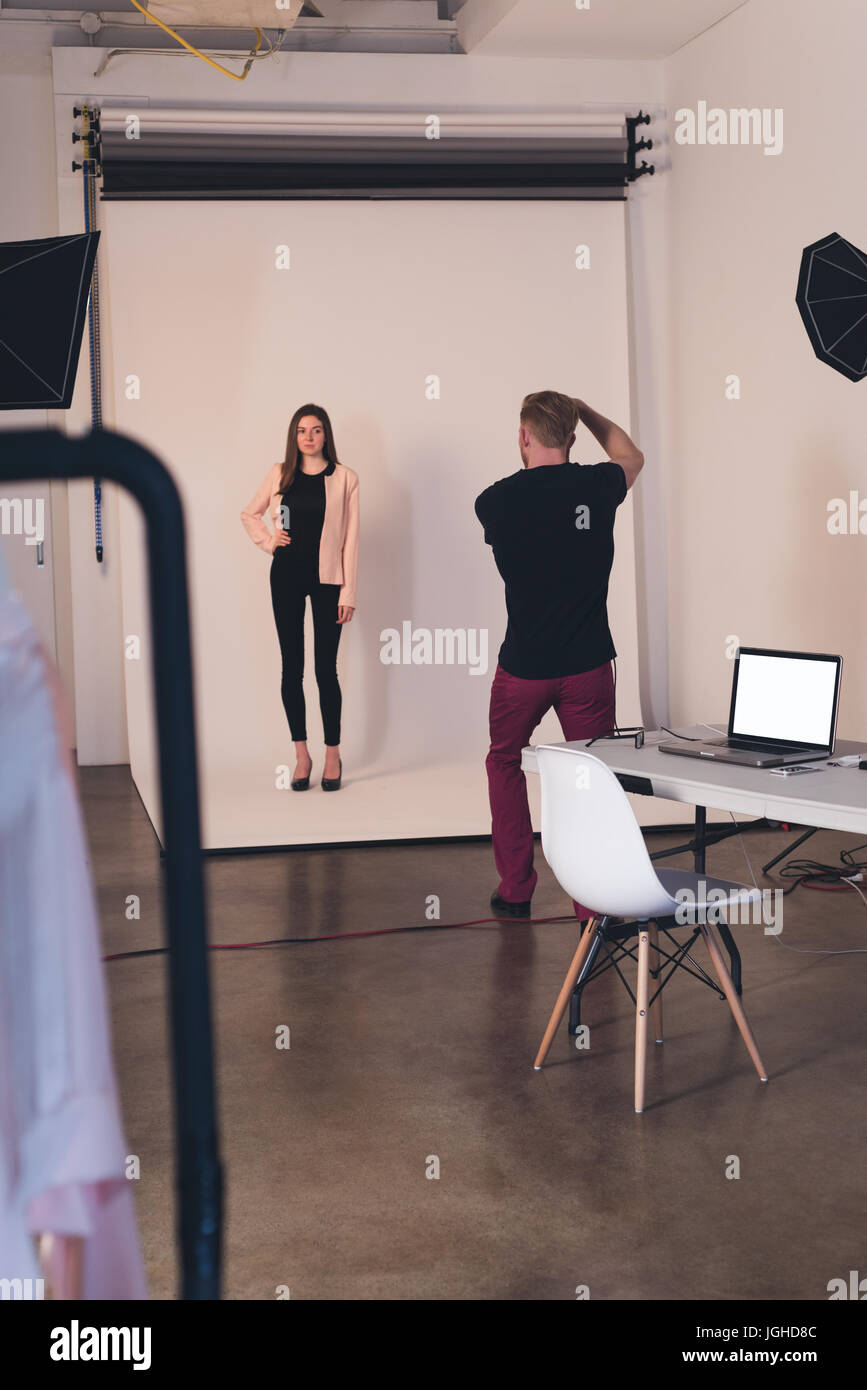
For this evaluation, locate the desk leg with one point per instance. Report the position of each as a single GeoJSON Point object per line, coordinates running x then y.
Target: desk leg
{"type": "Point", "coordinates": [699, 867]}
{"type": "Point", "coordinates": [700, 834]}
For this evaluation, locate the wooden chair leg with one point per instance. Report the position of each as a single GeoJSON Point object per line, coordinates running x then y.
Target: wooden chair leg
{"type": "Point", "coordinates": [735, 1005]}
{"type": "Point", "coordinates": [565, 993]}
{"type": "Point", "coordinates": [655, 964]}
{"type": "Point", "coordinates": [62, 1260]}
{"type": "Point", "coordinates": [642, 995]}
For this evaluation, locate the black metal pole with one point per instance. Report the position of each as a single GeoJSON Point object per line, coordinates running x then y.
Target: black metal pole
{"type": "Point", "coordinates": [104, 454]}
{"type": "Point", "coordinates": [700, 839]}
{"type": "Point", "coordinates": [698, 859]}
{"type": "Point", "coordinates": [790, 849]}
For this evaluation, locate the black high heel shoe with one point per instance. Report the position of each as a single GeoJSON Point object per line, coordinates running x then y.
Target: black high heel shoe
{"type": "Point", "coordinates": [332, 784]}
{"type": "Point", "coordinates": [300, 784]}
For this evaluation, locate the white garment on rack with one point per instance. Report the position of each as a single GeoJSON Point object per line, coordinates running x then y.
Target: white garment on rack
{"type": "Point", "coordinates": [62, 1148]}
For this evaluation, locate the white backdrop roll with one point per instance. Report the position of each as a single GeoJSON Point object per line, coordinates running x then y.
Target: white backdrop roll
{"type": "Point", "coordinates": [378, 299]}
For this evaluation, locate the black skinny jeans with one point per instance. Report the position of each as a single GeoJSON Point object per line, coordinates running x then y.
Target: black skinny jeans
{"type": "Point", "coordinates": [292, 579]}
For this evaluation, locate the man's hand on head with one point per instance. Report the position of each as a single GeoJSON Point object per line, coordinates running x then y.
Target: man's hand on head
{"type": "Point", "coordinates": [615, 441]}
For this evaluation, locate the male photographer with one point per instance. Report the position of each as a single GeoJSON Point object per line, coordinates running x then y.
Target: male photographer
{"type": "Point", "coordinates": [551, 528]}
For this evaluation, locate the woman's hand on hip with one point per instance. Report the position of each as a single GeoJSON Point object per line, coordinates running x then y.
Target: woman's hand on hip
{"type": "Point", "coordinates": [344, 614]}
{"type": "Point", "coordinates": [281, 538]}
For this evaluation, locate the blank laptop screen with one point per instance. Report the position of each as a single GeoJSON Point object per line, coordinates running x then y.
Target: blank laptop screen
{"type": "Point", "coordinates": [785, 697]}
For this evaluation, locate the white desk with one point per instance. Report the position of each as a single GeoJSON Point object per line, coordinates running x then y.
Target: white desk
{"type": "Point", "coordinates": [832, 799]}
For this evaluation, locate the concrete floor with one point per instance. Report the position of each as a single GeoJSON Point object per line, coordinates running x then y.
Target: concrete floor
{"type": "Point", "coordinates": [414, 1045]}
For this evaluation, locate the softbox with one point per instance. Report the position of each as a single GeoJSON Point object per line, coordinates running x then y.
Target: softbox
{"type": "Point", "coordinates": [832, 298]}
{"type": "Point", "coordinates": [44, 287]}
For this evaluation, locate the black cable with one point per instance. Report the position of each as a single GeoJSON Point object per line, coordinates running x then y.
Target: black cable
{"type": "Point", "coordinates": [812, 873]}
{"type": "Point", "coordinates": [614, 663]}
{"type": "Point", "coordinates": [686, 737]}
{"type": "Point", "coordinates": [846, 856]}
{"type": "Point", "coordinates": [617, 732]}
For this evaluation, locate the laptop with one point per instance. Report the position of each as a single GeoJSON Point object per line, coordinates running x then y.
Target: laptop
{"type": "Point", "coordinates": [783, 710]}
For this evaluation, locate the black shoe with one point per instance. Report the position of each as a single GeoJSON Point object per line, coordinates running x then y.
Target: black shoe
{"type": "Point", "coordinates": [332, 784]}
{"type": "Point", "coordinates": [300, 784]}
{"type": "Point", "coordinates": [507, 909]}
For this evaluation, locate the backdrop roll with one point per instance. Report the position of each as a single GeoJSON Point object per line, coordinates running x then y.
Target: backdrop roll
{"type": "Point", "coordinates": [419, 326]}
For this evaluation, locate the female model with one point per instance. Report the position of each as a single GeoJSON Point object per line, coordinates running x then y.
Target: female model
{"type": "Point", "coordinates": [313, 501]}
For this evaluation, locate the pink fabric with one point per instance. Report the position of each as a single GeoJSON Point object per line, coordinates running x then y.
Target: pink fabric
{"type": "Point", "coordinates": [584, 705]}
{"type": "Point", "coordinates": [62, 1147]}
{"type": "Point", "coordinates": [338, 547]}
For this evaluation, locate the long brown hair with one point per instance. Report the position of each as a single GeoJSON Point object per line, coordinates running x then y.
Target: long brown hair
{"type": "Point", "coordinates": [293, 453]}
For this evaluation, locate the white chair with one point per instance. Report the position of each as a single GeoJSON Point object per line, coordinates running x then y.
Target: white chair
{"type": "Point", "coordinates": [595, 847]}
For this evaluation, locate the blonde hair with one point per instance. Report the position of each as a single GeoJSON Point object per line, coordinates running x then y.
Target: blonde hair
{"type": "Point", "coordinates": [550, 417]}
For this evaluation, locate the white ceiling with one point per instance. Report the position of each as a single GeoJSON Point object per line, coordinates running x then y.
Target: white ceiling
{"type": "Point", "coordinates": [608, 29]}
{"type": "Point", "coordinates": [615, 29]}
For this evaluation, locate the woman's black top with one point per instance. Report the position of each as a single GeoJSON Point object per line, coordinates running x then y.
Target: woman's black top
{"type": "Point", "coordinates": [305, 499]}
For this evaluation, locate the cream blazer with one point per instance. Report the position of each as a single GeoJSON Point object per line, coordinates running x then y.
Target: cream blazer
{"type": "Point", "coordinates": [338, 545]}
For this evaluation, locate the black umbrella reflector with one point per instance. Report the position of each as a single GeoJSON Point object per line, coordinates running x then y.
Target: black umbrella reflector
{"type": "Point", "coordinates": [832, 298]}
{"type": "Point", "coordinates": [44, 287]}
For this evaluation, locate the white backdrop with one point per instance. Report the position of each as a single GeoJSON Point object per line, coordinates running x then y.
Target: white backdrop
{"type": "Point", "coordinates": [379, 297]}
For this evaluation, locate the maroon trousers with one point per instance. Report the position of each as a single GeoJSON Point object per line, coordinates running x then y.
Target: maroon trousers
{"type": "Point", "coordinates": [584, 705]}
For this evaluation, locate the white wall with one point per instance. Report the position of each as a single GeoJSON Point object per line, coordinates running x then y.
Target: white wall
{"type": "Point", "coordinates": [750, 480]}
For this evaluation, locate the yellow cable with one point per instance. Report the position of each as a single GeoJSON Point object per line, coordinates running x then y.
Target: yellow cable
{"type": "Point", "coordinates": [238, 77]}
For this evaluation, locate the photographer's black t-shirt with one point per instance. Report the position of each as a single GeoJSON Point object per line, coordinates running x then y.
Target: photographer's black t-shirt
{"type": "Point", "coordinates": [552, 533]}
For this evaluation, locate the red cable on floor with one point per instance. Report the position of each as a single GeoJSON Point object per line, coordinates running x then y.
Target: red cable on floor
{"type": "Point", "coordinates": [823, 887]}
{"type": "Point", "coordinates": [346, 936]}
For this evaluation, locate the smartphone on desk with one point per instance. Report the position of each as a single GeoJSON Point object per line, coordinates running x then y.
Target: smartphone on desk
{"type": "Point", "coordinates": [792, 771]}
